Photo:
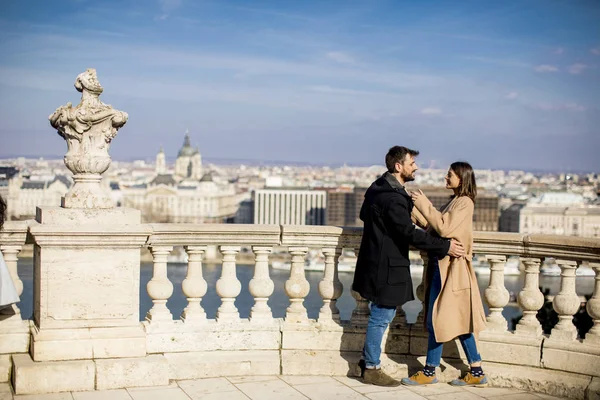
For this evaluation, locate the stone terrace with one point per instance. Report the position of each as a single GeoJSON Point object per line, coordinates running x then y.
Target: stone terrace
{"type": "Point", "coordinates": [286, 387]}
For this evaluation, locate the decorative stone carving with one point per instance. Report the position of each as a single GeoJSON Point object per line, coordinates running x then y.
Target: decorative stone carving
{"type": "Point", "coordinates": [330, 288]}
{"type": "Point", "coordinates": [566, 302]}
{"type": "Point", "coordinates": [88, 129]}
{"type": "Point", "coordinates": [194, 286]}
{"type": "Point", "coordinates": [228, 286]}
{"type": "Point", "coordinates": [496, 294]}
{"type": "Point", "coordinates": [297, 287]}
{"type": "Point", "coordinates": [261, 286]}
{"type": "Point", "coordinates": [593, 309]}
{"type": "Point", "coordinates": [531, 299]}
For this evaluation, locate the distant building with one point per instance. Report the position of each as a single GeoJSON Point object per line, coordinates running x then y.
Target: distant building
{"type": "Point", "coordinates": [343, 207]}
{"type": "Point", "coordinates": [187, 196]}
{"type": "Point", "coordinates": [486, 213]}
{"type": "Point", "coordinates": [24, 195]}
{"type": "Point", "coordinates": [510, 218]}
{"type": "Point", "coordinates": [560, 213]}
{"type": "Point", "coordinates": [289, 206]}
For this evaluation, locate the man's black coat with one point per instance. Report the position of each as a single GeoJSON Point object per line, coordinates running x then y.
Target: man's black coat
{"type": "Point", "coordinates": [383, 269]}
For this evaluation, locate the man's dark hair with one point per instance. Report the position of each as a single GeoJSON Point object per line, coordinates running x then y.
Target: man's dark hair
{"type": "Point", "coordinates": [397, 154]}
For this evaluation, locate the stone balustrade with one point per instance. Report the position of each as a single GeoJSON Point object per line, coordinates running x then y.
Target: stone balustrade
{"type": "Point", "coordinates": [187, 346]}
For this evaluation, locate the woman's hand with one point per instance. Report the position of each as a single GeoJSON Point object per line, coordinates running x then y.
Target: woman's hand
{"type": "Point", "coordinates": [416, 195]}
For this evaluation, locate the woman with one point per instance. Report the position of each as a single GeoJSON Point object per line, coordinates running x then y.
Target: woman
{"type": "Point", "coordinates": [8, 292]}
{"type": "Point", "coordinates": [453, 304]}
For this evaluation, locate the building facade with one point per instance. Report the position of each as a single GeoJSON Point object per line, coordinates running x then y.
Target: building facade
{"type": "Point", "coordinates": [560, 214]}
{"type": "Point", "coordinates": [343, 207]}
{"type": "Point", "coordinates": [183, 197]}
{"type": "Point", "coordinates": [290, 207]}
{"type": "Point", "coordinates": [24, 195]}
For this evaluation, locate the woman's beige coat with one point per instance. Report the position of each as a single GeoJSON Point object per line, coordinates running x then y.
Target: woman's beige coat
{"type": "Point", "coordinates": [458, 309]}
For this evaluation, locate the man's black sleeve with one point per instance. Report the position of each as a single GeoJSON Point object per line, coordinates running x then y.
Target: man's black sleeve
{"type": "Point", "coordinates": [402, 226]}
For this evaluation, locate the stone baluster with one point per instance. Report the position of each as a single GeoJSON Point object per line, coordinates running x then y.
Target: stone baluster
{"type": "Point", "coordinates": [194, 286]}
{"type": "Point", "coordinates": [421, 291]}
{"type": "Point", "coordinates": [593, 309]}
{"type": "Point", "coordinates": [261, 286]}
{"type": "Point", "coordinates": [297, 287]}
{"type": "Point", "coordinates": [160, 287]}
{"type": "Point", "coordinates": [228, 285]}
{"type": "Point", "coordinates": [530, 299]}
{"type": "Point", "coordinates": [330, 288]}
{"type": "Point", "coordinates": [10, 257]}
{"type": "Point", "coordinates": [360, 314]}
{"type": "Point", "coordinates": [566, 303]}
{"type": "Point", "coordinates": [496, 294]}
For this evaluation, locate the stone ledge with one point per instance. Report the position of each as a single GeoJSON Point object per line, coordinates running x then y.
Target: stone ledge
{"type": "Point", "coordinates": [120, 373]}
{"type": "Point", "coordinates": [210, 364]}
{"type": "Point", "coordinates": [87, 343]}
{"type": "Point", "coordinates": [571, 357]}
{"type": "Point", "coordinates": [177, 336]}
{"type": "Point", "coordinates": [328, 363]}
{"type": "Point", "coordinates": [553, 383]}
{"type": "Point", "coordinates": [14, 342]}
{"type": "Point", "coordinates": [5, 368]}
{"type": "Point", "coordinates": [593, 390]}
{"type": "Point", "coordinates": [31, 377]}
{"type": "Point", "coordinates": [344, 339]}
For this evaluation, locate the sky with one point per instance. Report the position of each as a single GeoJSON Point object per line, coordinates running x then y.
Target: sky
{"type": "Point", "coordinates": [506, 84]}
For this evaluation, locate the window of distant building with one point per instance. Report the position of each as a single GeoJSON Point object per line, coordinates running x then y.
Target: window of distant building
{"type": "Point", "coordinates": [575, 229]}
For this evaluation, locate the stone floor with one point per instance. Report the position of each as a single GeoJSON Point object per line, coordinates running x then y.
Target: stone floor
{"type": "Point", "coordinates": [284, 387]}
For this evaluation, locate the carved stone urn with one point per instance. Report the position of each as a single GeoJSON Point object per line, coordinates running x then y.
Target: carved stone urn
{"type": "Point", "coordinates": [88, 129]}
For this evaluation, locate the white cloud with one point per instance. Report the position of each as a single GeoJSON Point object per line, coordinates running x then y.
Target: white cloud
{"type": "Point", "coordinates": [561, 107]}
{"type": "Point", "coordinates": [431, 111]}
{"type": "Point", "coordinates": [511, 95]}
{"type": "Point", "coordinates": [546, 68]}
{"type": "Point", "coordinates": [577, 68]}
{"type": "Point", "coordinates": [595, 51]}
{"type": "Point", "coordinates": [558, 51]}
{"type": "Point", "coordinates": [341, 57]}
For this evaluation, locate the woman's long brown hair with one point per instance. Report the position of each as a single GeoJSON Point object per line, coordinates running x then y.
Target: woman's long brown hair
{"type": "Point", "coordinates": [468, 186]}
{"type": "Point", "coordinates": [2, 212]}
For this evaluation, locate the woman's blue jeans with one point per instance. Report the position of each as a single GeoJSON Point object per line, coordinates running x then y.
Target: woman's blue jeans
{"type": "Point", "coordinates": [379, 320]}
{"type": "Point", "coordinates": [434, 348]}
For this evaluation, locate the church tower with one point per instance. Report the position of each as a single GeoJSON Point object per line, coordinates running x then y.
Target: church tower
{"type": "Point", "coordinates": [161, 165]}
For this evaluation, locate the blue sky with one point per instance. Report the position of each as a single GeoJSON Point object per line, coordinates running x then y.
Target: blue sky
{"type": "Point", "coordinates": [502, 84]}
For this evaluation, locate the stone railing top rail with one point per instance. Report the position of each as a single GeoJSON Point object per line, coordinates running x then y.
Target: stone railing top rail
{"type": "Point", "coordinates": [13, 233]}
{"type": "Point", "coordinates": [501, 243]}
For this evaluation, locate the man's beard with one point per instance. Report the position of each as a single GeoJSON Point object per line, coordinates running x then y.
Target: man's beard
{"type": "Point", "coordinates": [408, 178]}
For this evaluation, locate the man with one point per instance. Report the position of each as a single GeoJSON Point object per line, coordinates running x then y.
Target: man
{"type": "Point", "coordinates": [382, 273]}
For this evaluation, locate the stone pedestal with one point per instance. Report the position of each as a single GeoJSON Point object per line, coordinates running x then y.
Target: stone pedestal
{"type": "Point", "coordinates": [86, 292]}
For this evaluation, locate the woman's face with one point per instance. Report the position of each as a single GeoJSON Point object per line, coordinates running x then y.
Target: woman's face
{"type": "Point", "coordinates": [452, 180]}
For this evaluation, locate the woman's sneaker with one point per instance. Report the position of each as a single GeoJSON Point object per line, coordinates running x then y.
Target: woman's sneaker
{"type": "Point", "coordinates": [470, 380]}
{"type": "Point", "coordinates": [419, 379]}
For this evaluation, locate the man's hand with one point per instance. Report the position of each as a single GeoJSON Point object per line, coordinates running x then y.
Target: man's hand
{"type": "Point", "coordinates": [456, 249]}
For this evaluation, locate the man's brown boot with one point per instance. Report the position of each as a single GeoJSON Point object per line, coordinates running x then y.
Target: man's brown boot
{"type": "Point", "coordinates": [379, 378]}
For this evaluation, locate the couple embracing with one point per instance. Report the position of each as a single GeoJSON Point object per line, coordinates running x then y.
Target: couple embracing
{"type": "Point", "coordinates": [453, 306]}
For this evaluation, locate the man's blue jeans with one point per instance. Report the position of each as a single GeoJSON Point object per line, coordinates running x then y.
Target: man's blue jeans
{"type": "Point", "coordinates": [379, 320]}
{"type": "Point", "coordinates": [434, 348]}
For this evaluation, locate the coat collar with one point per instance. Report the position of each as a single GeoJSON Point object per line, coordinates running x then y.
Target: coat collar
{"type": "Point", "coordinates": [395, 184]}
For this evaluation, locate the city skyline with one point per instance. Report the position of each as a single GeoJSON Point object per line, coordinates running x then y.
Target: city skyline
{"type": "Point", "coordinates": [503, 86]}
